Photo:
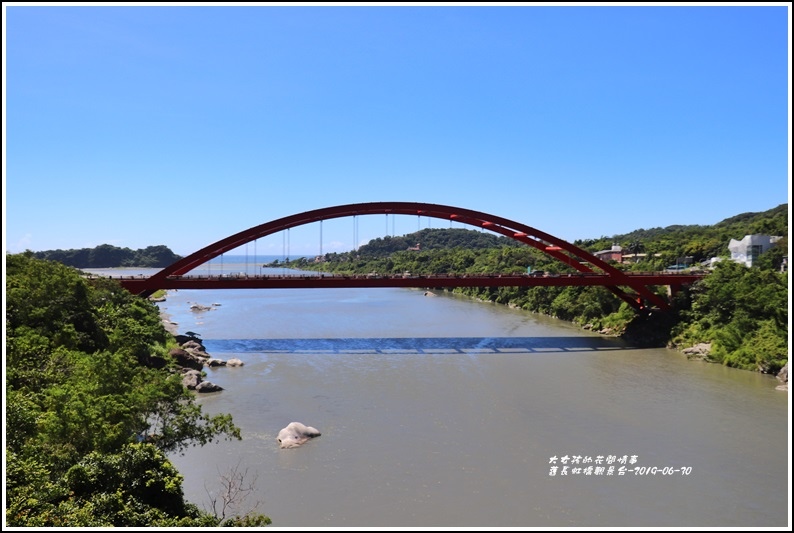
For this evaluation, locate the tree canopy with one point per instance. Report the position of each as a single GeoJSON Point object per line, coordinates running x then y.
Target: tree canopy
{"type": "Point", "coordinates": [94, 405]}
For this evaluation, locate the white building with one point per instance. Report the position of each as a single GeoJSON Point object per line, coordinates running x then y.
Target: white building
{"type": "Point", "coordinates": [750, 247]}
{"type": "Point", "coordinates": [613, 254]}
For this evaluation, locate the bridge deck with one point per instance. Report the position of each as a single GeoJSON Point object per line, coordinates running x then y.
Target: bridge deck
{"type": "Point", "coordinates": [139, 284]}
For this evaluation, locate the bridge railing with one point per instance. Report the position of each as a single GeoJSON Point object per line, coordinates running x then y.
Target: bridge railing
{"type": "Point", "coordinates": [332, 275]}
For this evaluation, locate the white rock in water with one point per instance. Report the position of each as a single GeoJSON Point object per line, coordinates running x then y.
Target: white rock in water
{"type": "Point", "coordinates": [295, 434]}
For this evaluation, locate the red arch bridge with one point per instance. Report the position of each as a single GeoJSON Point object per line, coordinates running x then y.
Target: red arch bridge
{"type": "Point", "coordinates": [634, 288]}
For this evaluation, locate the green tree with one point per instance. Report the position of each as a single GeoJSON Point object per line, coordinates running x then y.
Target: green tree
{"type": "Point", "coordinates": [90, 417]}
{"type": "Point", "coordinates": [743, 312]}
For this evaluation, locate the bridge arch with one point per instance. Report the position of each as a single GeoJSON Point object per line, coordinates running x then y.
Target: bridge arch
{"type": "Point", "coordinates": [583, 261]}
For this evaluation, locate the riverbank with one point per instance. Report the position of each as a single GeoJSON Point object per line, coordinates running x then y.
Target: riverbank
{"type": "Point", "coordinates": [170, 327]}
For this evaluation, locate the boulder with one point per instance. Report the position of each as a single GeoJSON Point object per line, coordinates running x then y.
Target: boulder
{"type": "Point", "coordinates": [295, 434]}
{"type": "Point", "coordinates": [192, 345]}
{"type": "Point", "coordinates": [208, 386]}
{"type": "Point", "coordinates": [195, 348]}
{"type": "Point", "coordinates": [182, 339]}
{"type": "Point", "coordinates": [186, 359]}
{"type": "Point", "coordinates": [234, 362]}
{"type": "Point", "coordinates": [698, 351]}
{"type": "Point", "coordinates": [783, 376]}
{"type": "Point", "coordinates": [191, 379]}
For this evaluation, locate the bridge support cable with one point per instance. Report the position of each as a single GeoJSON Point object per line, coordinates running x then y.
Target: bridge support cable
{"type": "Point", "coordinates": [575, 257]}
{"type": "Point", "coordinates": [284, 251]}
{"type": "Point", "coordinates": [355, 234]}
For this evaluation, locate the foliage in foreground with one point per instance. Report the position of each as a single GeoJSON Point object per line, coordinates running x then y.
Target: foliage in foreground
{"type": "Point", "coordinates": [93, 407]}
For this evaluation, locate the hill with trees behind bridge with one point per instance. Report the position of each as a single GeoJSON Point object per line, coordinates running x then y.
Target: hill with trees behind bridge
{"type": "Point", "coordinates": [739, 314]}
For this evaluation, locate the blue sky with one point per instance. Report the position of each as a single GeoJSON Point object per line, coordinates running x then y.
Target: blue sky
{"type": "Point", "coordinates": [181, 125]}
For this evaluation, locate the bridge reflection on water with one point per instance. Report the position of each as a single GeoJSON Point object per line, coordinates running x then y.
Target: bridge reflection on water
{"type": "Point", "coordinates": [424, 345]}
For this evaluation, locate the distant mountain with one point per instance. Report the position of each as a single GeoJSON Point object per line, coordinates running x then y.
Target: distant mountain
{"type": "Point", "coordinates": [108, 256]}
{"type": "Point", "coordinates": [771, 222]}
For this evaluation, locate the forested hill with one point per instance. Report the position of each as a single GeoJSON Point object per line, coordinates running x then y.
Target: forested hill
{"type": "Point", "coordinates": [770, 222]}
{"type": "Point", "coordinates": [700, 242]}
{"type": "Point", "coordinates": [695, 241]}
{"type": "Point", "coordinates": [433, 239]}
{"type": "Point", "coordinates": [108, 256]}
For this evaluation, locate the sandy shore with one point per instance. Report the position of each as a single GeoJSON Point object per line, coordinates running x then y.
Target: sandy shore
{"type": "Point", "coordinates": [170, 327]}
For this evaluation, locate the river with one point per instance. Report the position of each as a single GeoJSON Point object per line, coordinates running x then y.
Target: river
{"type": "Point", "coordinates": [439, 411]}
